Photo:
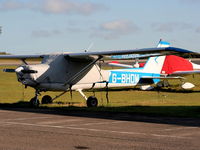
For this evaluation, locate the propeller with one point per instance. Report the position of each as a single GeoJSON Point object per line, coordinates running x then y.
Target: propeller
{"type": "Point", "coordinates": [24, 75]}
{"type": "Point", "coordinates": [9, 70]}
{"type": "Point", "coordinates": [20, 69]}
{"type": "Point", "coordinates": [28, 71]}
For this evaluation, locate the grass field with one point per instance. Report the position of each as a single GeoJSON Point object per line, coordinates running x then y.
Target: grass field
{"type": "Point", "coordinates": [172, 102]}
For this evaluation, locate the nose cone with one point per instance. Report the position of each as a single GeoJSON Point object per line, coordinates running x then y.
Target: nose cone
{"type": "Point", "coordinates": [19, 69]}
{"type": "Point", "coordinates": [24, 76]}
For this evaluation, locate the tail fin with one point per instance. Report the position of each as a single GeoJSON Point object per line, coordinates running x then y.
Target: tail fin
{"type": "Point", "coordinates": [175, 63]}
{"type": "Point", "coordinates": [154, 64]}
{"type": "Point", "coordinates": [169, 64]}
{"type": "Point", "coordinates": [163, 44]}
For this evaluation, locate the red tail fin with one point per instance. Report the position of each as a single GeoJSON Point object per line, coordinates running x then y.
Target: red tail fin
{"type": "Point", "coordinates": [175, 63]}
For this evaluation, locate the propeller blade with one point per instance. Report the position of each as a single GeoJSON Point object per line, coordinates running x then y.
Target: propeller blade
{"type": "Point", "coordinates": [8, 70]}
{"type": "Point", "coordinates": [28, 71]}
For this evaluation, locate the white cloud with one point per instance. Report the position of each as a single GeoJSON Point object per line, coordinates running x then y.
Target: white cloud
{"type": "Point", "coordinates": [56, 6]}
{"type": "Point", "coordinates": [170, 26]}
{"type": "Point", "coordinates": [74, 29]}
{"type": "Point", "coordinates": [189, 1]}
{"type": "Point", "coordinates": [198, 30]}
{"type": "Point", "coordinates": [45, 33]}
{"type": "Point", "coordinates": [63, 6]}
{"type": "Point", "coordinates": [11, 5]}
{"type": "Point", "coordinates": [118, 25]}
{"type": "Point", "coordinates": [53, 6]}
{"type": "Point", "coordinates": [115, 29]}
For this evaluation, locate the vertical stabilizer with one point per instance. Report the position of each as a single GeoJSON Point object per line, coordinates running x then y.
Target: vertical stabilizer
{"type": "Point", "coordinates": [175, 63]}
{"type": "Point", "coordinates": [154, 64]}
{"type": "Point", "coordinates": [163, 44]}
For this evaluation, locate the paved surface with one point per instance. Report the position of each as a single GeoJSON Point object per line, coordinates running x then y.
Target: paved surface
{"type": "Point", "coordinates": [25, 129]}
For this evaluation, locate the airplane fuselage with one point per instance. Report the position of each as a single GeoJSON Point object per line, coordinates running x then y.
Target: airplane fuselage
{"type": "Point", "coordinates": [57, 73]}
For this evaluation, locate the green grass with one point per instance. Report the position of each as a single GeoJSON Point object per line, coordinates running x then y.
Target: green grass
{"type": "Point", "coordinates": [173, 102]}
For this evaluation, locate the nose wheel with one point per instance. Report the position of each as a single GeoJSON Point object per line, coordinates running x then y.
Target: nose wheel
{"type": "Point", "coordinates": [34, 102]}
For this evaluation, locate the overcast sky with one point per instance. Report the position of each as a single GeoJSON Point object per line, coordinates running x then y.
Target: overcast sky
{"type": "Point", "coordinates": [45, 26]}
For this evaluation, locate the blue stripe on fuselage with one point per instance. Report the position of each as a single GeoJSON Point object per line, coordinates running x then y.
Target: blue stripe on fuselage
{"type": "Point", "coordinates": [128, 77]}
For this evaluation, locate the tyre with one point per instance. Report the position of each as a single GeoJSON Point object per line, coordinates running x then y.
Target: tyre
{"type": "Point", "coordinates": [46, 99]}
{"type": "Point", "coordinates": [92, 101]}
{"type": "Point", "coordinates": [34, 102]}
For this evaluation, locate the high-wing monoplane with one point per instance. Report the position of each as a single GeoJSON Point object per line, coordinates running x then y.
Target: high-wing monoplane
{"type": "Point", "coordinates": [80, 71]}
{"type": "Point", "coordinates": [172, 67]}
{"type": "Point", "coordinates": [164, 68]}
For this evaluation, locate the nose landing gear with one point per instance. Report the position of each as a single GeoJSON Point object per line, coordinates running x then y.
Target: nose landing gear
{"type": "Point", "coordinates": [34, 102]}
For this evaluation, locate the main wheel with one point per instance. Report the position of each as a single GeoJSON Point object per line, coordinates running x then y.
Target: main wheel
{"type": "Point", "coordinates": [92, 101]}
{"type": "Point", "coordinates": [46, 99]}
{"type": "Point", "coordinates": [34, 102]}
{"type": "Point", "coordinates": [163, 84]}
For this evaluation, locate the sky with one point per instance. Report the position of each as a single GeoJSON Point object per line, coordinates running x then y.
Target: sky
{"type": "Point", "coordinates": [49, 26]}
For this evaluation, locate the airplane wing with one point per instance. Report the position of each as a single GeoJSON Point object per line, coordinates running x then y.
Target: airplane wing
{"type": "Point", "coordinates": [20, 56]}
{"type": "Point", "coordinates": [85, 55]}
{"type": "Point", "coordinates": [162, 51]}
{"type": "Point", "coordinates": [117, 64]}
{"type": "Point", "coordinates": [134, 56]}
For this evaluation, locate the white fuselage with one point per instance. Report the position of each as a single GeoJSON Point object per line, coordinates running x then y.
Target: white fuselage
{"type": "Point", "coordinates": [97, 78]}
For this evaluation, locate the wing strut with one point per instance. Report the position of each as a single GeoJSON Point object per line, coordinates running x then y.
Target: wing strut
{"type": "Point", "coordinates": [82, 94]}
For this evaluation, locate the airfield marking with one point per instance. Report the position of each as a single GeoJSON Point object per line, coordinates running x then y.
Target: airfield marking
{"type": "Point", "coordinates": [180, 128]}
{"type": "Point", "coordinates": [20, 119]}
{"type": "Point", "coordinates": [5, 124]}
{"type": "Point", "coordinates": [96, 130]}
{"type": "Point", "coordinates": [58, 121]}
{"type": "Point", "coordinates": [97, 123]}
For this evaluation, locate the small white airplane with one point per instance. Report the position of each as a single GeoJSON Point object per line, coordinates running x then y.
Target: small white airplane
{"type": "Point", "coordinates": [80, 71]}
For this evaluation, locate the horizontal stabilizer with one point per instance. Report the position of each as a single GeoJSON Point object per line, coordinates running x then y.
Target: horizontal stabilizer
{"type": "Point", "coordinates": [117, 64]}
{"type": "Point", "coordinates": [182, 73]}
